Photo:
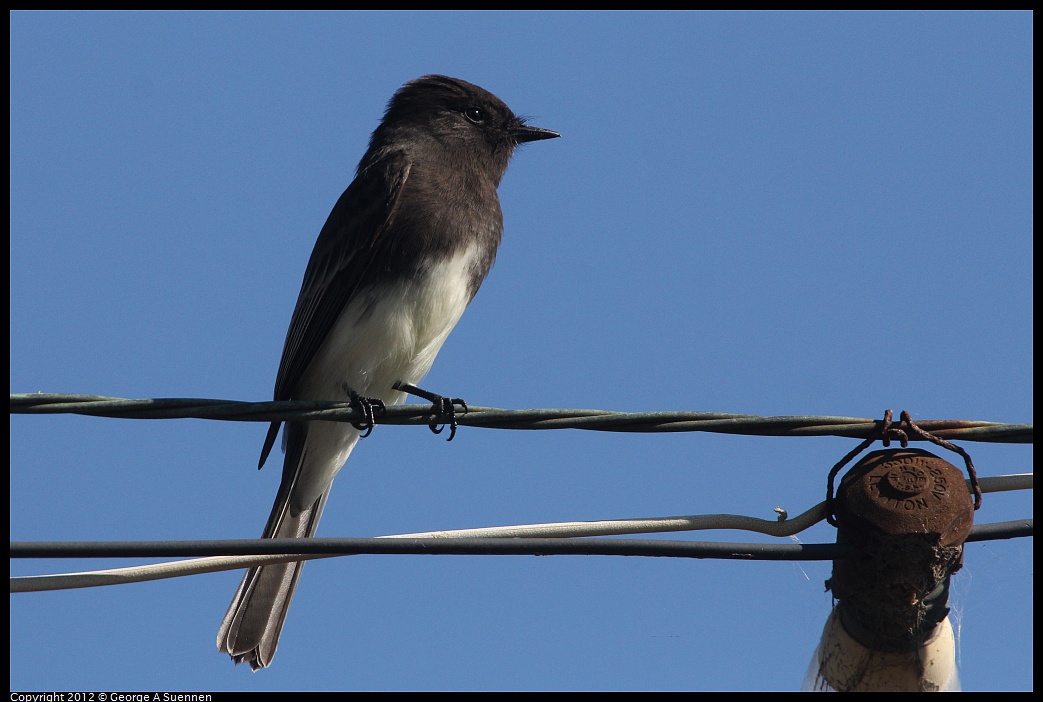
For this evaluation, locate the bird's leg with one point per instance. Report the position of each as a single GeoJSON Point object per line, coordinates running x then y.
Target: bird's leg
{"type": "Point", "coordinates": [366, 405]}
{"type": "Point", "coordinates": [444, 407]}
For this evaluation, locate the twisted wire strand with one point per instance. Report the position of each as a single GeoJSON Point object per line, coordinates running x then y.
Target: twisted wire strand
{"type": "Point", "coordinates": [495, 418]}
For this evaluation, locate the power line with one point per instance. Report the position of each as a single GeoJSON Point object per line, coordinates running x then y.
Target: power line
{"type": "Point", "coordinates": [467, 546]}
{"type": "Point", "coordinates": [568, 538]}
{"type": "Point", "coordinates": [308, 549]}
{"type": "Point", "coordinates": [494, 418]}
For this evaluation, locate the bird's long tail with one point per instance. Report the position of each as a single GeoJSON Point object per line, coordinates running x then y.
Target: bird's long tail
{"type": "Point", "coordinates": [251, 627]}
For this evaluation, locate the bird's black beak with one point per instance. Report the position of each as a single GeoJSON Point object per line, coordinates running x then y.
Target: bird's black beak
{"type": "Point", "coordinates": [523, 133]}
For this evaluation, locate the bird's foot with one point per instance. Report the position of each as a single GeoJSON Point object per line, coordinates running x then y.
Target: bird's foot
{"type": "Point", "coordinates": [444, 408]}
{"type": "Point", "coordinates": [366, 405]}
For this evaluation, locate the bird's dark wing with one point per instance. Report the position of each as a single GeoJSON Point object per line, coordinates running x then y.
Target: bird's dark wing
{"type": "Point", "coordinates": [338, 265]}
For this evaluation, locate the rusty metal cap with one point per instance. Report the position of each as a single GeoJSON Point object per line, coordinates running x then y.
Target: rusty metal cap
{"type": "Point", "coordinates": [908, 491]}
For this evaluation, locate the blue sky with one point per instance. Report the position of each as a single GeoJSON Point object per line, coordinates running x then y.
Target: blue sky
{"type": "Point", "coordinates": [773, 214]}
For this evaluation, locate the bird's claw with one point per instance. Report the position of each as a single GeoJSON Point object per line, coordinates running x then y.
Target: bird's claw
{"type": "Point", "coordinates": [445, 415]}
{"type": "Point", "coordinates": [366, 405]}
{"type": "Point", "coordinates": [444, 407]}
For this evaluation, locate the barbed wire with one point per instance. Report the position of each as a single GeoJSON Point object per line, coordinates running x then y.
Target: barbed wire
{"type": "Point", "coordinates": [495, 418]}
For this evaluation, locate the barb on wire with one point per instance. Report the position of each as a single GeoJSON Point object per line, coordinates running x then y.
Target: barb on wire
{"type": "Point", "coordinates": [493, 418]}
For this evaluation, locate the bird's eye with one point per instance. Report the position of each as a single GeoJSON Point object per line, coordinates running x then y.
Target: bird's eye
{"type": "Point", "coordinates": [475, 114]}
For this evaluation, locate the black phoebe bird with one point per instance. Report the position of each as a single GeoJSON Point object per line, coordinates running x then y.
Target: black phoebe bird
{"type": "Point", "coordinates": [397, 262]}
